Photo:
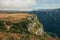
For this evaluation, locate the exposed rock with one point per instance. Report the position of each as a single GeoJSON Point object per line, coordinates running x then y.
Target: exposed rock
{"type": "Point", "coordinates": [34, 26]}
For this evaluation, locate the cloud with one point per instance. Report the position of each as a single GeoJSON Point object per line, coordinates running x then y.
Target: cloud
{"type": "Point", "coordinates": [48, 4]}
{"type": "Point", "coordinates": [16, 4]}
{"type": "Point", "coordinates": [22, 5]}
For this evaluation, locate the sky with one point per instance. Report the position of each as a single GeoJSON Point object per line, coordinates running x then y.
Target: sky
{"type": "Point", "coordinates": [25, 5]}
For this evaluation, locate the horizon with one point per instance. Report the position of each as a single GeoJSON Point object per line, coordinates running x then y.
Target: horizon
{"type": "Point", "coordinates": [27, 10]}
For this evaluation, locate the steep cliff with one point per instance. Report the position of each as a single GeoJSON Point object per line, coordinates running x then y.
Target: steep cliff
{"type": "Point", "coordinates": [21, 26]}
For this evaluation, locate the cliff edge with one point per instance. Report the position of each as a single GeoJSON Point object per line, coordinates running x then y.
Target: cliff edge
{"type": "Point", "coordinates": [21, 26]}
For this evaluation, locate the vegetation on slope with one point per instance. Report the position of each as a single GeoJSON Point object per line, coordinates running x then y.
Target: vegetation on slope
{"type": "Point", "coordinates": [25, 27]}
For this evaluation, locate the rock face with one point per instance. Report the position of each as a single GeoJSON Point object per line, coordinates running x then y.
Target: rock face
{"type": "Point", "coordinates": [19, 23]}
{"type": "Point", "coordinates": [34, 26]}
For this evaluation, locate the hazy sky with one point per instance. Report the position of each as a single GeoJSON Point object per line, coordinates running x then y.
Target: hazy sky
{"type": "Point", "coordinates": [22, 5]}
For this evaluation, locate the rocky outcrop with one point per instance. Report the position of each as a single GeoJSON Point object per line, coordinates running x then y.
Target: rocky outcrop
{"type": "Point", "coordinates": [35, 27]}
{"type": "Point", "coordinates": [28, 22]}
